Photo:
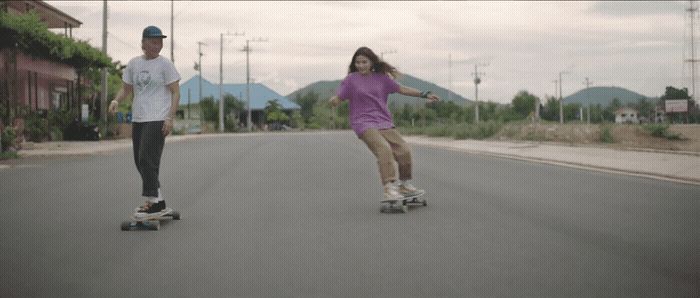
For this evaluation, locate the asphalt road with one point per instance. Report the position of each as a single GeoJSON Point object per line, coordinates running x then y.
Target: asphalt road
{"type": "Point", "coordinates": [298, 215]}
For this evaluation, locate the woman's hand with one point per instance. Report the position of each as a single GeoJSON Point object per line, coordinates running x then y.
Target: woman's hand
{"type": "Point", "coordinates": [432, 98]}
{"type": "Point", "coordinates": [334, 101]}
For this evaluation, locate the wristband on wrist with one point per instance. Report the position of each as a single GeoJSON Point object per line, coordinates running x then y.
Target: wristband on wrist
{"type": "Point", "coordinates": [425, 94]}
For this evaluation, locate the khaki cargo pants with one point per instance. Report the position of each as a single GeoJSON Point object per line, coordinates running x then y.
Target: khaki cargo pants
{"type": "Point", "coordinates": [388, 146]}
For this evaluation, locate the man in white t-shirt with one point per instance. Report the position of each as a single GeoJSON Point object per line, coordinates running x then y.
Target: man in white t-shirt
{"type": "Point", "coordinates": [154, 81]}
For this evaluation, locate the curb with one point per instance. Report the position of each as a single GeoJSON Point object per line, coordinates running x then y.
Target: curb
{"type": "Point", "coordinates": [678, 179]}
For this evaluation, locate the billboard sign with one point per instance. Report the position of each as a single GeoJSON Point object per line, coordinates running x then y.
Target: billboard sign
{"type": "Point", "coordinates": [676, 105]}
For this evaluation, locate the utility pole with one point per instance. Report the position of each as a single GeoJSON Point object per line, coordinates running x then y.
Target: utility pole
{"type": "Point", "coordinates": [588, 99]}
{"type": "Point", "coordinates": [172, 37]}
{"type": "Point", "coordinates": [477, 80]}
{"type": "Point", "coordinates": [221, 78]}
{"type": "Point", "coordinates": [561, 99]}
{"type": "Point", "coordinates": [103, 97]}
{"type": "Point", "coordinates": [199, 67]}
{"type": "Point", "coordinates": [247, 80]}
{"type": "Point", "coordinates": [692, 10]}
{"type": "Point", "coordinates": [449, 92]}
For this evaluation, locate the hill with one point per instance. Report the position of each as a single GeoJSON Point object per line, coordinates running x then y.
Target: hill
{"type": "Point", "coordinates": [326, 89]}
{"type": "Point", "coordinates": [604, 96]}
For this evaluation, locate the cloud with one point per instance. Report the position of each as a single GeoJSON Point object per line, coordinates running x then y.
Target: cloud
{"type": "Point", "coordinates": [638, 8]}
{"type": "Point", "coordinates": [635, 45]}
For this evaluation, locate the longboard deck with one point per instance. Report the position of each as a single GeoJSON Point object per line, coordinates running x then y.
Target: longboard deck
{"type": "Point", "coordinates": [150, 222]}
{"type": "Point", "coordinates": [403, 203]}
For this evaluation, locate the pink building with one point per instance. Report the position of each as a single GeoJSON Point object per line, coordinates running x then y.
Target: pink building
{"type": "Point", "coordinates": [38, 83]}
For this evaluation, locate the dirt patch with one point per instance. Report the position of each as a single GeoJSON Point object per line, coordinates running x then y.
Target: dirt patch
{"type": "Point", "coordinates": [623, 135]}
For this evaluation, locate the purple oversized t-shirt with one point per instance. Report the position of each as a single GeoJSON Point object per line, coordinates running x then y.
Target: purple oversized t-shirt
{"type": "Point", "coordinates": [368, 95]}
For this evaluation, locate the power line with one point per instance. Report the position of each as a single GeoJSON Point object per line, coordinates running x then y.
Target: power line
{"type": "Point", "coordinates": [121, 41]}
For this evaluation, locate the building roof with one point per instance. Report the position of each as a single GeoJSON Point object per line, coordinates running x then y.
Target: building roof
{"type": "Point", "coordinates": [259, 93]}
{"type": "Point", "coordinates": [53, 17]}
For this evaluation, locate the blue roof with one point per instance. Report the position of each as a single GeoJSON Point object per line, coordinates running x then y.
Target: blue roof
{"type": "Point", "coordinates": [259, 93]}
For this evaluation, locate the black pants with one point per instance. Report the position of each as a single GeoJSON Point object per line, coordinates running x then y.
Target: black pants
{"type": "Point", "coordinates": [148, 148]}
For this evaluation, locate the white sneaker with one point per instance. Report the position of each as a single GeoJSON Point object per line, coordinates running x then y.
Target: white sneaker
{"type": "Point", "coordinates": [391, 192]}
{"type": "Point", "coordinates": [407, 190]}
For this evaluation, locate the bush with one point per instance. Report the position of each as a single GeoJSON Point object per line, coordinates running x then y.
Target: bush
{"type": "Point", "coordinates": [8, 138]}
{"type": "Point", "coordinates": [36, 128]}
{"type": "Point", "coordinates": [462, 131]}
{"type": "Point", "coordinates": [661, 131]}
{"type": "Point", "coordinates": [8, 155]}
{"type": "Point", "coordinates": [606, 134]}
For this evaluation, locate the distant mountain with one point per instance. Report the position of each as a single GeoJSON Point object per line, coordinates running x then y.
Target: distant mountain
{"type": "Point", "coordinates": [604, 96]}
{"type": "Point", "coordinates": [326, 89]}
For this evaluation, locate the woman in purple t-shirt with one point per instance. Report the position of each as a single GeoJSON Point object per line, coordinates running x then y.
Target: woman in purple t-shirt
{"type": "Point", "coordinates": [367, 88]}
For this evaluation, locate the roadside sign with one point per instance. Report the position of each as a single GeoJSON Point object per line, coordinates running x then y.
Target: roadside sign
{"type": "Point", "coordinates": [676, 105]}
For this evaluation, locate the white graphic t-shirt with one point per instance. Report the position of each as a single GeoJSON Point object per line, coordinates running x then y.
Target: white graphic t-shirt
{"type": "Point", "coordinates": [150, 78]}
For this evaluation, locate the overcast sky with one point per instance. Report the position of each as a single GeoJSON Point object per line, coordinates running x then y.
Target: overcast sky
{"type": "Point", "coordinates": [635, 45]}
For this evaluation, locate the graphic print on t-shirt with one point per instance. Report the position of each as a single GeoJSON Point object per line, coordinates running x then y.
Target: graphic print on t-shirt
{"type": "Point", "coordinates": [143, 78]}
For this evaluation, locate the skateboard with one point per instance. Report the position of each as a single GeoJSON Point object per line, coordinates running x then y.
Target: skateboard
{"type": "Point", "coordinates": [151, 222]}
{"type": "Point", "coordinates": [403, 203]}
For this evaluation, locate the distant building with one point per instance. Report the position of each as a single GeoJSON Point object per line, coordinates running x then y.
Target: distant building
{"type": "Point", "coordinates": [626, 115]}
{"type": "Point", "coordinates": [260, 95]}
{"type": "Point", "coordinates": [37, 83]}
{"type": "Point", "coordinates": [659, 114]}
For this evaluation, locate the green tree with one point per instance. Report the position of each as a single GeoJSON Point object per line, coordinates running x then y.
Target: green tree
{"type": "Point", "coordinates": [307, 103]}
{"type": "Point", "coordinates": [274, 113]}
{"type": "Point", "coordinates": [297, 120]}
{"type": "Point", "coordinates": [209, 109]}
{"type": "Point", "coordinates": [645, 107]}
{"type": "Point", "coordinates": [674, 93]}
{"type": "Point", "coordinates": [571, 111]}
{"type": "Point", "coordinates": [609, 112]}
{"type": "Point", "coordinates": [524, 103]}
{"type": "Point", "coordinates": [550, 110]}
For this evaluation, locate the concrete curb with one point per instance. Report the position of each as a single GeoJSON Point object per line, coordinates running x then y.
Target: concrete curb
{"type": "Point", "coordinates": [571, 164]}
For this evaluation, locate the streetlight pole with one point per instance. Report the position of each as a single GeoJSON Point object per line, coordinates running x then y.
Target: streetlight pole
{"type": "Point", "coordinates": [221, 78]}
{"type": "Point", "coordinates": [247, 70]}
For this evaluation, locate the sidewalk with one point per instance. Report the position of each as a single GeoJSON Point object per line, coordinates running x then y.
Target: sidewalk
{"type": "Point", "coordinates": [669, 166]}
{"type": "Point", "coordinates": [652, 164]}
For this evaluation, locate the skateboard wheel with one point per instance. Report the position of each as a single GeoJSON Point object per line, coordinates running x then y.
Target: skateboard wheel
{"type": "Point", "coordinates": [155, 226]}
{"type": "Point", "coordinates": [176, 215]}
{"type": "Point", "coordinates": [425, 202]}
{"type": "Point", "coordinates": [126, 226]}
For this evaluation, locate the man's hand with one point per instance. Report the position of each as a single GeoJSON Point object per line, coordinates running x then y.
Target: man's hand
{"type": "Point", "coordinates": [113, 105]}
{"type": "Point", "coordinates": [167, 126]}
